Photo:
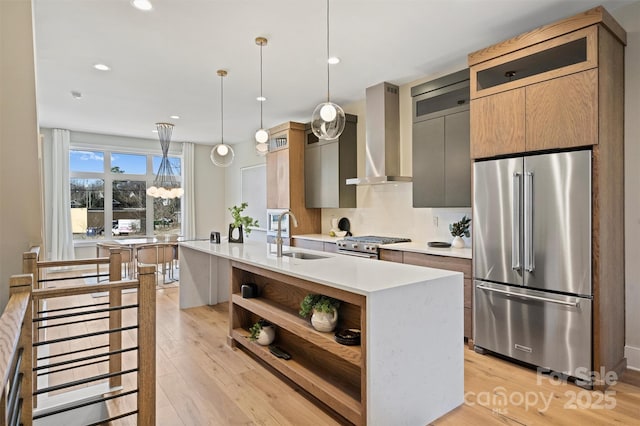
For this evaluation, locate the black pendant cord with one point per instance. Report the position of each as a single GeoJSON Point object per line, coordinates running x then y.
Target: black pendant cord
{"type": "Point", "coordinates": [328, 65]}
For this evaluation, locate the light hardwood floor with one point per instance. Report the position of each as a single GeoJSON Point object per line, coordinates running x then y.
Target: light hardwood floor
{"type": "Point", "coordinates": [202, 381]}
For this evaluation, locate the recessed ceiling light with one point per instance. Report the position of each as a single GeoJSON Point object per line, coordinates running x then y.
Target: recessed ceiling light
{"type": "Point", "coordinates": [333, 60]}
{"type": "Point", "coordinates": [175, 117]}
{"type": "Point", "coordinates": [102, 67]}
{"type": "Point", "coordinates": [142, 5]}
{"type": "Point", "coordinates": [261, 99]}
{"type": "Point", "coordinates": [76, 95]}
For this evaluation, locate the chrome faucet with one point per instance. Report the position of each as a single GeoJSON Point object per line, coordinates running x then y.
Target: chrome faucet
{"type": "Point", "coordinates": [279, 235]}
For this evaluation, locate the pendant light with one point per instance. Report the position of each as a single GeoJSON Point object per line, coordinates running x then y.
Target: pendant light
{"type": "Point", "coordinates": [165, 185]}
{"type": "Point", "coordinates": [262, 135]}
{"type": "Point", "coordinates": [327, 120]}
{"type": "Point", "coordinates": [222, 154]}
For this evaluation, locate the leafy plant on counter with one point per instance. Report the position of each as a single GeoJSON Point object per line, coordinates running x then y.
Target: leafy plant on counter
{"type": "Point", "coordinates": [238, 219]}
{"type": "Point", "coordinates": [255, 329]}
{"type": "Point", "coordinates": [461, 228]}
{"type": "Point", "coordinates": [319, 303]}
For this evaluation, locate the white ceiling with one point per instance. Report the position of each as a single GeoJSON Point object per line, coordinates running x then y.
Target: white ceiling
{"type": "Point", "coordinates": [164, 61]}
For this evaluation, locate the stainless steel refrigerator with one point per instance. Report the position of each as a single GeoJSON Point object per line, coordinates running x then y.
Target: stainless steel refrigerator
{"type": "Point", "coordinates": [532, 259]}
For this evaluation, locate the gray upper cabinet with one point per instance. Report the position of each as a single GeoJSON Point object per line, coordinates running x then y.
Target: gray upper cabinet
{"type": "Point", "coordinates": [327, 166]}
{"type": "Point", "coordinates": [441, 142]}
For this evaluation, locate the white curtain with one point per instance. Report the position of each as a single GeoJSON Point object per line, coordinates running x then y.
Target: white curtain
{"type": "Point", "coordinates": [57, 200]}
{"type": "Point", "coordinates": [189, 197]}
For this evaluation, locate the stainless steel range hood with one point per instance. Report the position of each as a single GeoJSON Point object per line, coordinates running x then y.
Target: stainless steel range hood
{"type": "Point", "coordinates": [382, 152]}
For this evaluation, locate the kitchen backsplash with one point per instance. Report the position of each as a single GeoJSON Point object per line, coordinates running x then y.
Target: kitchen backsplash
{"type": "Point", "coordinates": [387, 210]}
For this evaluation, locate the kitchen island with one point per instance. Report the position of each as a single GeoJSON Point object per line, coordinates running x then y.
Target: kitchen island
{"type": "Point", "coordinates": [408, 368]}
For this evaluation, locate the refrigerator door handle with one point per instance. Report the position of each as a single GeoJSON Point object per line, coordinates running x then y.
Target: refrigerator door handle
{"type": "Point", "coordinates": [574, 304]}
{"type": "Point", "coordinates": [515, 224]}
{"type": "Point", "coordinates": [528, 220]}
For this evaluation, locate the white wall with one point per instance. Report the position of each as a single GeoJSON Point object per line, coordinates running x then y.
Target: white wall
{"type": "Point", "coordinates": [629, 18]}
{"type": "Point", "coordinates": [210, 189]}
{"type": "Point", "coordinates": [20, 179]}
{"type": "Point", "coordinates": [245, 157]}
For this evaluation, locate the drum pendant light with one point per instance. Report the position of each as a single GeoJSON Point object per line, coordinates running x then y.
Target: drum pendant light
{"type": "Point", "coordinates": [327, 120]}
{"type": "Point", "coordinates": [222, 154]}
{"type": "Point", "coordinates": [262, 135]}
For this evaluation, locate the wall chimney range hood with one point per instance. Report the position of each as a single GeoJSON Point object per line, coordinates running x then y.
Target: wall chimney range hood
{"type": "Point", "coordinates": [382, 145]}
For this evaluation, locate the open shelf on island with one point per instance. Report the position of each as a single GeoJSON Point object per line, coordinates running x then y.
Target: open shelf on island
{"type": "Point", "coordinates": [326, 385]}
{"type": "Point", "coordinates": [288, 319]}
{"type": "Point", "coordinates": [334, 374]}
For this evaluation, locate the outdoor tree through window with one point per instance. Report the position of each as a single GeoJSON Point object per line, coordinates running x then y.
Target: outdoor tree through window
{"type": "Point", "coordinates": [108, 195]}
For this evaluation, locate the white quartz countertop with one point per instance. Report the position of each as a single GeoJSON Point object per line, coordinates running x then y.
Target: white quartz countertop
{"type": "Point", "coordinates": [354, 274]}
{"type": "Point", "coordinates": [424, 248]}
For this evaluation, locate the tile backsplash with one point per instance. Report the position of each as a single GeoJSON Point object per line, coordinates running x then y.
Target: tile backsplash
{"type": "Point", "coordinates": [387, 210]}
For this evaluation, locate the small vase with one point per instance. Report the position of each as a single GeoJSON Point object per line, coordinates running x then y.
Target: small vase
{"type": "Point", "coordinates": [237, 239]}
{"type": "Point", "coordinates": [457, 242]}
{"type": "Point", "coordinates": [267, 335]}
{"type": "Point", "coordinates": [324, 321]}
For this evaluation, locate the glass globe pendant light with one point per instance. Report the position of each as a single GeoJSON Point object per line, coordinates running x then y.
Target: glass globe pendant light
{"type": "Point", "coordinates": [327, 120]}
{"type": "Point", "coordinates": [262, 135]}
{"type": "Point", "coordinates": [222, 154]}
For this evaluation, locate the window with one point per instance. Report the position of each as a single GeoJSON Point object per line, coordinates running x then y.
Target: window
{"type": "Point", "coordinates": [130, 164]}
{"type": "Point", "coordinates": [111, 188]}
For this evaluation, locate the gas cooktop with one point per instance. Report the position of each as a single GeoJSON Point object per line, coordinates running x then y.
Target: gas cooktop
{"type": "Point", "coordinates": [372, 239]}
{"type": "Point", "coordinates": [368, 244]}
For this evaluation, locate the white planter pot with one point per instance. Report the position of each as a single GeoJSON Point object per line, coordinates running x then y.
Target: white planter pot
{"type": "Point", "coordinates": [324, 321]}
{"type": "Point", "coordinates": [267, 335]}
{"type": "Point", "coordinates": [457, 242]}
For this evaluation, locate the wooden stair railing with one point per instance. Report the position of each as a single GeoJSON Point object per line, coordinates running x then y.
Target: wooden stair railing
{"type": "Point", "coordinates": [15, 346]}
{"type": "Point", "coordinates": [41, 323]}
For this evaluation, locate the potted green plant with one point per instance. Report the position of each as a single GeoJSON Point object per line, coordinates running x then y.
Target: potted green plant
{"type": "Point", "coordinates": [323, 310]}
{"type": "Point", "coordinates": [262, 332]}
{"type": "Point", "coordinates": [458, 230]}
{"type": "Point", "coordinates": [240, 223]}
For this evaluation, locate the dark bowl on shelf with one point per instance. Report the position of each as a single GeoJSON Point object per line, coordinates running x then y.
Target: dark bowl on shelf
{"type": "Point", "coordinates": [348, 336]}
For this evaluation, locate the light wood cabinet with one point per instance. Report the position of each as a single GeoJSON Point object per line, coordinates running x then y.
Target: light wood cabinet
{"type": "Point", "coordinates": [565, 54]}
{"type": "Point", "coordinates": [571, 96]}
{"type": "Point", "coordinates": [278, 180]}
{"type": "Point", "coordinates": [333, 373]}
{"type": "Point", "coordinates": [391, 255]}
{"type": "Point", "coordinates": [285, 177]}
{"type": "Point", "coordinates": [559, 113]}
{"type": "Point", "coordinates": [498, 124]}
{"type": "Point", "coordinates": [543, 90]}
{"type": "Point", "coordinates": [563, 112]}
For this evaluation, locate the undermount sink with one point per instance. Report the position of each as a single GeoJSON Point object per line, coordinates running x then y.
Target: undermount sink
{"type": "Point", "coordinates": [300, 255]}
